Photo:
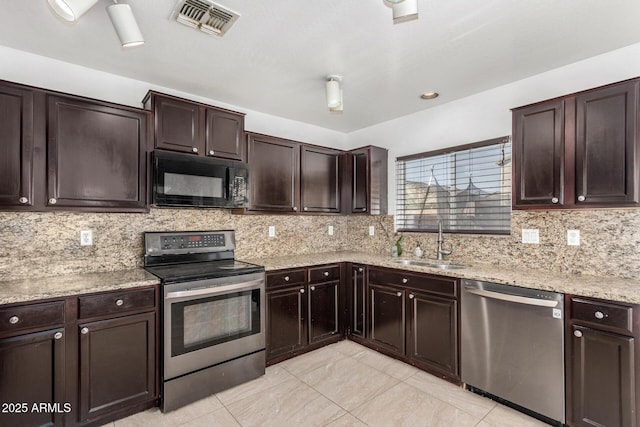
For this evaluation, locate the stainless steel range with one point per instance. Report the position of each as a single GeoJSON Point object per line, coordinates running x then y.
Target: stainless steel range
{"type": "Point", "coordinates": [213, 314]}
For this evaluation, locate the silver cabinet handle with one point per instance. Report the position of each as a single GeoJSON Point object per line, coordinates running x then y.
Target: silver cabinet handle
{"type": "Point", "coordinates": [577, 334]}
{"type": "Point", "coordinates": [599, 315]}
{"type": "Point", "coordinates": [399, 294]}
{"type": "Point", "coordinates": [411, 296]}
{"type": "Point", "coordinates": [286, 278]}
{"type": "Point", "coordinates": [119, 302]}
{"type": "Point", "coordinates": [405, 280]}
{"type": "Point", "coordinates": [23, 200]}
{"type": "Point", "coordinates": [511, 298]}
{"type": "Point", "coordinates": [581, 198]}
{"type": "Point", "coordinates": [326, 274]}
{"type": "Point", "coordinates": [360, 270]}
{"type": "Point", "coordinates": [295, 208]}
{"type": "Point", "coordinates": [313, 288]}
{"type": "Point", "coordinates": [57, 335]}
{"type": "Point", "coordinates": [555, 200]}
{"type": "Point", "coordinates": [305, 208]}
{"type": "Point", "coordinates": [194, 149]}
{"type": "Point", "coordinates": [302, 291]}
{"type": "Point", "coordinates": [364, 209]}
{"type": "Point", "coordinates": [52, 201]}
{"type": "Point", "coordinates": [211, 152]}
{"type": "Point", "coordinates": [84, 331]}
{"type": "Point", "coordinates": [14, 319]}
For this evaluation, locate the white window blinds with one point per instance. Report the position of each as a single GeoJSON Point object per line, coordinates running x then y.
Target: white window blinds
{"type": "Point", "coordinates": [468, 188]}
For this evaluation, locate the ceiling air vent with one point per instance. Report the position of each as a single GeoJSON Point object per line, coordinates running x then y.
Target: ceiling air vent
{"type": "Point", "coordinates": [208, 17]}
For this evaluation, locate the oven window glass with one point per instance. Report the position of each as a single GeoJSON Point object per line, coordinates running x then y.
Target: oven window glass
{"type": "Point", "coordinates": [176, 184]}
{"type": "Point", "coordinates": [206, 322]}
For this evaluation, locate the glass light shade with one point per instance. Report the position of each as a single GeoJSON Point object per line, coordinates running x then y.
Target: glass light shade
{"type": "Point", "coordinates": [333, 93]}
{"type": "Point", "coordinates": [125, 25]}
{"type": "Point", "coordinates": [71, 10]}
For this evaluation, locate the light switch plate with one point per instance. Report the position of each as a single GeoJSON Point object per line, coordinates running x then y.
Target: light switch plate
{"type": "Point", "coordinates": [573, 237]}
{"type": "Point", "coordinates": [372, 230]}
{"type": "Point", "coordinates": [272, 231]}
{"type": "Point", "coordinates": [86, 238]}
{"type": "Point", "coordinates": [531, 235]}
{"type": "Point", "coordinates": [330, 231]}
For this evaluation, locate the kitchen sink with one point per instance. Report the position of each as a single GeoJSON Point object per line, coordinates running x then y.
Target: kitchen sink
{"type": "Point", "coordinates": [429, 264]}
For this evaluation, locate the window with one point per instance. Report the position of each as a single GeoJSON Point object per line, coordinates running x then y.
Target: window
{"type": "Point", "coordinates": [468, 188]}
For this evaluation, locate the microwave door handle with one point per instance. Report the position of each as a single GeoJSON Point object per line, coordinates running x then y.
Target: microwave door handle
{"type": "Point", "coordinates": [215, 290]}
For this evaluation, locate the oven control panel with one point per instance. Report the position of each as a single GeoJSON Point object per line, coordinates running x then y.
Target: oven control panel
{"type": "Point", "coordinates": [160, 243]}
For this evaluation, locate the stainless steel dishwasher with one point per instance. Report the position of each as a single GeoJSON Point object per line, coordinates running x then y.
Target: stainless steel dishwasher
{"type": "Point", "coordinates": [512, 345]}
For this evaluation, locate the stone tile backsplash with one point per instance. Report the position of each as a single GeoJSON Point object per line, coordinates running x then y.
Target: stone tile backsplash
{"type": "Point", "coordinates": [48, 244]}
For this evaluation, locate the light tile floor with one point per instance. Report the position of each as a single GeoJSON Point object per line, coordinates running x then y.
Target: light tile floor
{"type": "Point", "coordinates": [341, 385]}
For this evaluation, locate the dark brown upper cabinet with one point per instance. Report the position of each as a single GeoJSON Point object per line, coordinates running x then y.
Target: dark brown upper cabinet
{"type": "Point", "coordinates": [365, 182]}
{"type": "Point", "coordinates": [16, 145]}
{"type": "Point", "coordinates": [580, 150]}
{"type": "Point", "coordinates": [274, 178]}
{"type": "Point", "coordinates": [96, 155]}
{"type": "Point", "coordinates": [190, 127]}
{"type": "Point", "coordinates": [320, 179]}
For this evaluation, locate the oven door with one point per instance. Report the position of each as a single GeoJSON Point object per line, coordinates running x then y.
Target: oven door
{"type": "Point", "coordinates": [208, 322]}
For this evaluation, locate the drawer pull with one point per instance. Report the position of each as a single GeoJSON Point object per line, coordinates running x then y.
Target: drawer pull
{"type": "Point", "coordinates": [84, 331]}
{"type": "Point", "coordinates": [577, 334]}
{"type": "Point", "coordinates": [399, 294]}
{"type": "Point", "coordinates": [211, 152]}
{"type": "Point", "coordinates": [57, 335]}
{"type": "Point", "coordinates": [326, 274]}
{"type": "Point", "coordinates": [411, 296]}
{"type": "Point", "coordinates": [194, 149]}
{"type": "Point", "coordinates": [23, 200]}
{"type": "Point", "coordinates": [53, 201]}
{"type": "Point", "coordinates": [14, 319]}
{"type": "Point", "coordinates": [119, 302]}
{"type": "Point", "coordinates": [302, 291]}
{"type": "Point", "coordinates": [313, 288]}
{"type": "Point", "coordinates": [555, 200]}
{"type": "Point", "coordinates": [599, 315]}
{"type": "Point", "coordinates": [360, 270]}
{"type": "Point", "coordinates": [286, 278]}
{"type": "Point", "coordinates": [405, 280]}
{"type": "Point", "coordinates": [581, 198]}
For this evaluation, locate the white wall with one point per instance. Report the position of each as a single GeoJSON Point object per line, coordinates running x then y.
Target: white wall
{"type": "Point", "coordinates": [26, 68]}
{"type": "Point", "coordinates": [487, 115]}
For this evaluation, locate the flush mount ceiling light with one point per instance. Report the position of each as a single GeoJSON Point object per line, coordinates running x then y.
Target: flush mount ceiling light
{"type": "Point", "coordinates": [334, 92]}
{"type": "Point", "coordinates": [71, 10]}
{"type": "Point", "coordinates": [429, 95]}
{"type": "Point", "coordinates": [125, 24]}
{"type": "Point", "coordinates": [403, 10]}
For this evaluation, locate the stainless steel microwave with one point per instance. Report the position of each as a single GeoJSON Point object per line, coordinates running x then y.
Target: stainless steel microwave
{"type": "Point", "coordinates": [183, 180]}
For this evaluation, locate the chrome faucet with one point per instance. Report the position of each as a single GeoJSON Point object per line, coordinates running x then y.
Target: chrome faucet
{"type": "Point", "coordinates": [441, 251]}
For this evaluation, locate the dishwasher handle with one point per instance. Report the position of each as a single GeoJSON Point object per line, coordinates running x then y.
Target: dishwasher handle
{"type": "Point", "coordinates": [511, 298]}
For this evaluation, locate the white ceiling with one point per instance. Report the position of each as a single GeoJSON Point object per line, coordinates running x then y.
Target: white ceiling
{"type": "Point", "coordinates": [277, 55]}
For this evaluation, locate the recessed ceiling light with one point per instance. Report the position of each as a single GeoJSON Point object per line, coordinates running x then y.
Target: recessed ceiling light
{"type": "Point", "coordinates": [429, 95]}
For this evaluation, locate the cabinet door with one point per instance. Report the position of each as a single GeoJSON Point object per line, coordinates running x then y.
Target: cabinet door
{"type": "Point", "coordinates": [275, 174]}
{"type": "Point", "coordinates": [117, 364]}
{"type": "Point", "coordinates": [96, 155]}
{"type": "Point", "coordinates": [224, 135]}
{"type": "Point", "coordinates": [320, 180]}
{"type": "Point", "coordinates": [16, 146]}
{"type": "Point", "coordinates": [603, 386]}
{"type": "Point", "coordinates": [32, 371]}
{"type": "Point", "coordinates": [358, 295]}
{"type": "Point", "coordinates": [323, 311]}
{"type": "Point", "coordinates": [606, 145]}
{"type": "Point", "coordinates": [433, 332]}
{"type": "Point", "coordinates": [538, 147]}
{"type": "Point", "coordinates": [286, 321]}
{"type": "Point", "coordinates": [387, 317]}
{"type": "Point", "coordinates": [177, 125]}
{"type": "Point", "coordinates": [360, 181]}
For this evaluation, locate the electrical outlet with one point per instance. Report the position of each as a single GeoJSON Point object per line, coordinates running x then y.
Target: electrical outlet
{"type": "Point", "coordinates": [531, 235]}
{"type": "Point", "coordinates": [330, 231]}
{"type": "Point", "coordinates": [272, 231]}
{"type": "Point", "coordinates": [86, 238]}
{"type": "Point", "coordinates": [372, 230]}
{"type": "Point", "coordinates": [573, 237]}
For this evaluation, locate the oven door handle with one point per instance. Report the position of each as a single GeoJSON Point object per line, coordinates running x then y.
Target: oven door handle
{"type": "Point", "coordinates": [216, 290]}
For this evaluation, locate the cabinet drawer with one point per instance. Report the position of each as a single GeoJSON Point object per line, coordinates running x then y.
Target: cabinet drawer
{"type": "Point", "coordinates": [31, 316]}
{"type": "Point", "coordinates": [286, 277]}
{"type": "Point", "coordinates": [598, 313]}
{"type": "Point", "coordinates": [115, 302]}
{"type": "Point", "coordinates": [439, 285]}
{"type": "Point", "coordinates": [325, 273]}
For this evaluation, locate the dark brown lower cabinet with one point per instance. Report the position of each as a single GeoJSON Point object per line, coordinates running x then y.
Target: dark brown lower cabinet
{"type": "Point", "coordinates": [286, 321]}
{"type": "Point", "coordinates": [432, 332]}
{"type": "Point", "coordinates": [323, 311]}
{"type": "Point", "coordinates": [387, 315]}
{"type": "Point", "coordinates": [117, 364]}
{"type": "Point", "coordinates": [32, 372]}
{"type": "Point", "coordinates": [357, 300]}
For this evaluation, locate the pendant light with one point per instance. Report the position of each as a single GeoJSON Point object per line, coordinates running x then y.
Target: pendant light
{"type": "Point", "coordinates": [125, 24]}
{"type": "Point", "coordinates": [334, 92]}
{"type": "Point", "coordinates": [71, 10]}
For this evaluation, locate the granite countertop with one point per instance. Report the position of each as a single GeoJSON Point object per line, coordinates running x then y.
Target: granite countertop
{"type": "Point", "coordinates": [609, 288]}
{"type": "Point", "coordinates": [13, 291]}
